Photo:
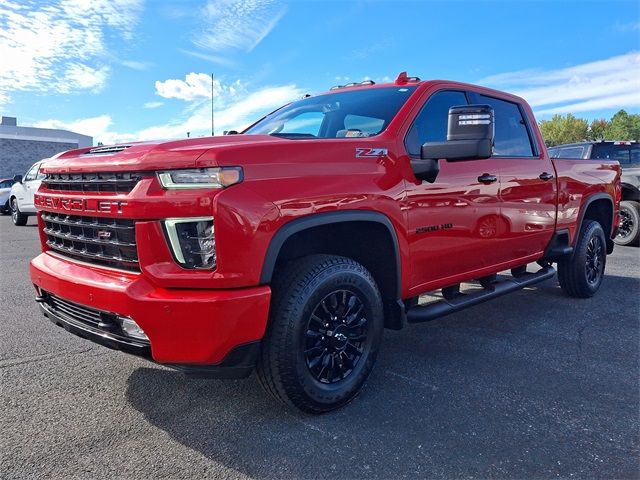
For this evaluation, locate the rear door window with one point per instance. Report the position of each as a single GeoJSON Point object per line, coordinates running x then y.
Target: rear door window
{"type": "Point", "coordinates": [512, 135]}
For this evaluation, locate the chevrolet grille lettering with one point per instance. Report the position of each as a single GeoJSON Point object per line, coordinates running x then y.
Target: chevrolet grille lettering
{"type": "Point", "coordinates": [86, 205]}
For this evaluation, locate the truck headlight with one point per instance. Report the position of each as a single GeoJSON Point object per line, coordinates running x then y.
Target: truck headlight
{"type": "Point", "coordinates": [192, 241]}
{"type": "Point", "coordinates": [200, 178]}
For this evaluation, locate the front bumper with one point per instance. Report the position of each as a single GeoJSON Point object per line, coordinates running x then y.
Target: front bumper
{"type": "Point", "coordinates": [205, 332]}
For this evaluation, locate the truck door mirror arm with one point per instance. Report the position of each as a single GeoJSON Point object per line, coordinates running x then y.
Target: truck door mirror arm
{"type": "Point", "coordinates": [470, 136]}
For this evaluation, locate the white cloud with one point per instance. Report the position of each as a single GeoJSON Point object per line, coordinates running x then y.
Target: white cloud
{"type": "Point", "coordinates": [237, 24]}
{"type": "Point", "coordinates": [135, 64]}
{"type": "Point", "coordinates": [97, 127]}
{"type": "Point", "coordinates": [195, 87]}
{"type": "Point", "coordinates": [603, 84]}
{"type": "Point", "coordinates": [627, 27]}
{"type": "Point", "coordinates": [153, 104]}
{"type": "Point", "coordinates": [84, 77]}
{"type": "Point", "coordinates": [225, 62]}
{"type": "Point", "coordinates": [625, 100]}
{"type": "Point", "coordinates": [235, 114]}
{"type": "Point", "coordinates": [59, 46]}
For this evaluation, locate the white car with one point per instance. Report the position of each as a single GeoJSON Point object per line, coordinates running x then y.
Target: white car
{"type": "Point", "coordinates": [22, 193]}
{"type": "Point", "coordinates": [5, 190]}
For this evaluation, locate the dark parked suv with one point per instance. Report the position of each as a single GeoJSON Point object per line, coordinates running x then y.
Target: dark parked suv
{"type": "Point", "coordinates": [628, 154]}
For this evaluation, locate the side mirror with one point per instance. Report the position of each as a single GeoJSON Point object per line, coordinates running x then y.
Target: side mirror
{"type": "Point", "coordinates": [17, 179]}
{"type": "Point", "coordinates": [470, 136]}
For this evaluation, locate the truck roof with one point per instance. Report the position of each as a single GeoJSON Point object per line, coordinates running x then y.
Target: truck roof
{"type": "Point", "coordinates": [597, 142]}
{"type": "Point", "coordinates": [403, 79]}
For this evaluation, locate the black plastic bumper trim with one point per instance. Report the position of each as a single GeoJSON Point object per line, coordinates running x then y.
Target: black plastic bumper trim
{"type": "Point", "coordinates": [238, 363]}
{"type": "Point", "coordinates": [98, 336]}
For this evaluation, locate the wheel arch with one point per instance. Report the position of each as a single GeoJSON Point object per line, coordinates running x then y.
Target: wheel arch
{"type": "Point", "coordinates": [345, 233]}
{"type": "Point", "coordinates": [598, 207]}
{"type": "Point", "coordinates": [630, 192]}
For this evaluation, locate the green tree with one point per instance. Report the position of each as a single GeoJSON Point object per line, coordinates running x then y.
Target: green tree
{"type": "Point", "coordinates": [624, 126]}
{"type": "Point", "coordinates": [564, 129]}
{"type": "Point", "coordinates": [598, 129]}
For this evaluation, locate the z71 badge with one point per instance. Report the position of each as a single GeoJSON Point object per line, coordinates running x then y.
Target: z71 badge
{"type": "Point", "coordinates": [371, 152]}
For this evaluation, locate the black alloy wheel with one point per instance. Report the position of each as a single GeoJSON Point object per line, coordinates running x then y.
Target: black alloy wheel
{"type": "Point", "coordinates": [336, 336]}
{"type": "Point", "coordinates": [626, 224]}
{"type": "Point", "coordinates": [324, 332]}
{"type": "Point", "coordinates": [581, 273]}
{"type": "Point", "coordinates": [629, 226]}
{"type": "Point", "coordinates": [594, 266]}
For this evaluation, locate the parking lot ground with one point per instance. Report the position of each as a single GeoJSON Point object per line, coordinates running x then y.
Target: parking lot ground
{"type": "Point", "coordinates": [534, 384]}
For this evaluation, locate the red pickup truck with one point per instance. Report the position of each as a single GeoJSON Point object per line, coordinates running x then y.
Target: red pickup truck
{"type": "Point", "coordinates": [289, 247]}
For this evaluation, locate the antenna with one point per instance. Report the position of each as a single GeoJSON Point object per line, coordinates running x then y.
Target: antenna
{"type": "Point", "coordinates": [212, 124]}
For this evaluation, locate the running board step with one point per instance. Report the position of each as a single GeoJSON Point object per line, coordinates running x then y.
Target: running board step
{"type": "Point", "coordinates": [440, 308]}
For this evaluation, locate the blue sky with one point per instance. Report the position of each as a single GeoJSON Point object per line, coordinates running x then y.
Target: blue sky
{"type": "Point", "coordinates": [121, 70]}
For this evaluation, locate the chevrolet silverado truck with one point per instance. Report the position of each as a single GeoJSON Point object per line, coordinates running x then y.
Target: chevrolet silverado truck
{"type": "Point", "coordinates": [288, 248]}
{"type": "Point", "coordinates": [627, 153]}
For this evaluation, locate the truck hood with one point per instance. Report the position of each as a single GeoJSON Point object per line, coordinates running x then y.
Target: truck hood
{"type": "Point", "coordinates": [155, 155]}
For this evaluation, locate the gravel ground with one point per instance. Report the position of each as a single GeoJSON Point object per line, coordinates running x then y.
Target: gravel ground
{"type": "Point", "coordinates": [534, 384]}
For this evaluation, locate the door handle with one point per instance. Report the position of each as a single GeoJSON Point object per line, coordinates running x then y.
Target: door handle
{"type": "Point", "coordinates": [545, 176]}
{"type": "Point", "coordinates": [487, 178]}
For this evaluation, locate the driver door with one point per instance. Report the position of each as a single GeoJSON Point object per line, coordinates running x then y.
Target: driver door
{"type": "Point", "coordinates": [453, 223]}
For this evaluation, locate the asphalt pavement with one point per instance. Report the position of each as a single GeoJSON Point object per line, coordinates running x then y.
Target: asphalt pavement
{"type": "Point", "coordinates": [534, 384]}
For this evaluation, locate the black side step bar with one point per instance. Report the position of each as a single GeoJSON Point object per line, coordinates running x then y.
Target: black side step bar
{"type": "Point", "coordinates": [440, 308]}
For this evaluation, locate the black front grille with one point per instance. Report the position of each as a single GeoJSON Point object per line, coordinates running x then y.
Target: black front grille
{"type": "Point", "coordinates": [75, 311]}
{"type": "Point", "coordinates": [92, 182]}
{"type": "Point", "coordinates": [97, 320]}
{"type": "Point", "coordinates": [109, 242]}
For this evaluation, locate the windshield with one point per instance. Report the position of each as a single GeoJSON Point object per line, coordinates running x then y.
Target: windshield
{"type": "Point", "coordinates": [343, 114]}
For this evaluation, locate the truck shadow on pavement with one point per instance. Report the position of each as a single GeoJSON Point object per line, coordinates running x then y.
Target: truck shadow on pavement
{"type": "Point", "coordinates": [482, 393]}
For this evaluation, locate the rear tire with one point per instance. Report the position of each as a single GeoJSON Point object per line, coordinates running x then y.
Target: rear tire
{"type": "Point", "coordinates": [19, 219]}
{"type": "Point", "coordinates": [629, 228]}
{"type": "Point", "coordinates": [6, 208]}
{"type": "Point", "coordinates": [581, 274]}
{"type": "Point", "coordinates": [324, 332]}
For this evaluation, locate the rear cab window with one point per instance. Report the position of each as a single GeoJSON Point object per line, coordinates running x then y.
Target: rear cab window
{"type": "Point", "coordinates": [626, 154]}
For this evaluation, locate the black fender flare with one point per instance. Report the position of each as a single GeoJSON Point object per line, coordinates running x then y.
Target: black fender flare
{"type": "Point", "coordinates": [629, 187]}
{"type": "Point", "coordinates": [583, 211]}
{"type": "Point", "coordinates": [326, 218]}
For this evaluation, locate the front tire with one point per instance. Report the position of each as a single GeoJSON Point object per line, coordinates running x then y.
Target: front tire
{"type": "Point", "coordinates": [581, 275]}
{"type": "Point", "coordinates": [629, 228]}
{"type": "Point", "coordinates": [19, 219]}
{"type": "Point", "coordinates": [324, 332]}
